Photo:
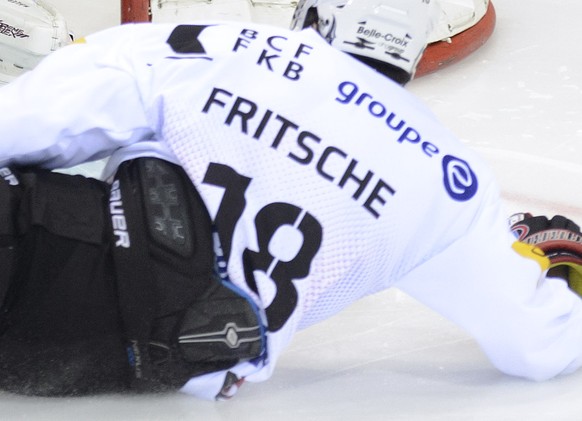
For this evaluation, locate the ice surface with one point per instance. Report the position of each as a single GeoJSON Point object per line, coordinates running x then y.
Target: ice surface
{"type": "Point", "coordinates": [519, 102]}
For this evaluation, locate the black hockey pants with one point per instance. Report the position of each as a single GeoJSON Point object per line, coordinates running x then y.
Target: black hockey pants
{"type": "Point", "coordinates": [60, 329]}
{"type": "Point", "coordinates": [99, 284]}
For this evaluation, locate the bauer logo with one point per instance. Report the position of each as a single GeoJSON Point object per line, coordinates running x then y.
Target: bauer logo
{"type": "Point", "coordinates": [460, 180]}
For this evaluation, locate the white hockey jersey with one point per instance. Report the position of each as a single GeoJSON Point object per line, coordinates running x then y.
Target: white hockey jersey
{"type": "Point", "coordinates": [326, 181]}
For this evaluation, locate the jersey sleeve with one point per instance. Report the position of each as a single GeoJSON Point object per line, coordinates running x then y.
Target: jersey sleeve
{"type": "Point", "coordinates": [529, 325]}
{"type": "Point", "coordinates": [81, 103]}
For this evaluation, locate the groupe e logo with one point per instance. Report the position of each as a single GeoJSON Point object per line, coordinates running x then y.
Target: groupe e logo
{"type": "Point", "coordinates": [460, 180]}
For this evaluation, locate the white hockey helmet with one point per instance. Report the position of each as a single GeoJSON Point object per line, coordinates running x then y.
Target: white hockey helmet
{"type": "Point", "coordinates": [29, 30]}
{"type": "Point", "coordinates": [389, 35]}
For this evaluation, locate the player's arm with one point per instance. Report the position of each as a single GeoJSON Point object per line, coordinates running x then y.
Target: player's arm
{"type": "Point", "coordinates": [529, 324]}
{"type": "Point", "coordinates": [79, 104]}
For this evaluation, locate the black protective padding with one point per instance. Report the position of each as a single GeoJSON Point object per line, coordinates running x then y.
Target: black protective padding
{"type": "Point", "coordinates": [60, 331]}
{"type": "Point", "coordinates": [82, 312]}
{"type": "Point", "coordinates": [168, 284]}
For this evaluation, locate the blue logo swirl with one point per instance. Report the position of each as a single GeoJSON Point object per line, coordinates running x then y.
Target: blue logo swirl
{"type": "Point", "coordinates": [460, 180]}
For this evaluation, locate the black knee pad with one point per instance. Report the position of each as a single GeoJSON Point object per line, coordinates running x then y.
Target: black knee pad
{"type": "Point", "coordinates": [181, 318]}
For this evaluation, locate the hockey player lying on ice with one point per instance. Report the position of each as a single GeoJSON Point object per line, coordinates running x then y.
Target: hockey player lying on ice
{"type": "Point", "coordinates": [260, 181]}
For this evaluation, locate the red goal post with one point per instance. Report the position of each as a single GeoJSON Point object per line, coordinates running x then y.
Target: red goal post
{"type": "Point", "coordinates": [135, 11]}
{"type": "Point", "coordinates": [465, 25]}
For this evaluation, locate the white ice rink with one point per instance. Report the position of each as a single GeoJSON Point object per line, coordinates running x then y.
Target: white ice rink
{"type": "Point", "coordinates": [519, 102]}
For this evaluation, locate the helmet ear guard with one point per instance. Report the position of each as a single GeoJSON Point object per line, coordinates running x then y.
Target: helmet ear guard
{"type": "Point", "coordinates": [388, 35]}
{"type": "Point", "coordinates": [397, 74]}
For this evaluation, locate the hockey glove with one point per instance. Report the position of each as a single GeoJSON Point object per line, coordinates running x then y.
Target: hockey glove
{"type": "Point", "coordinates": [561, 241]}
